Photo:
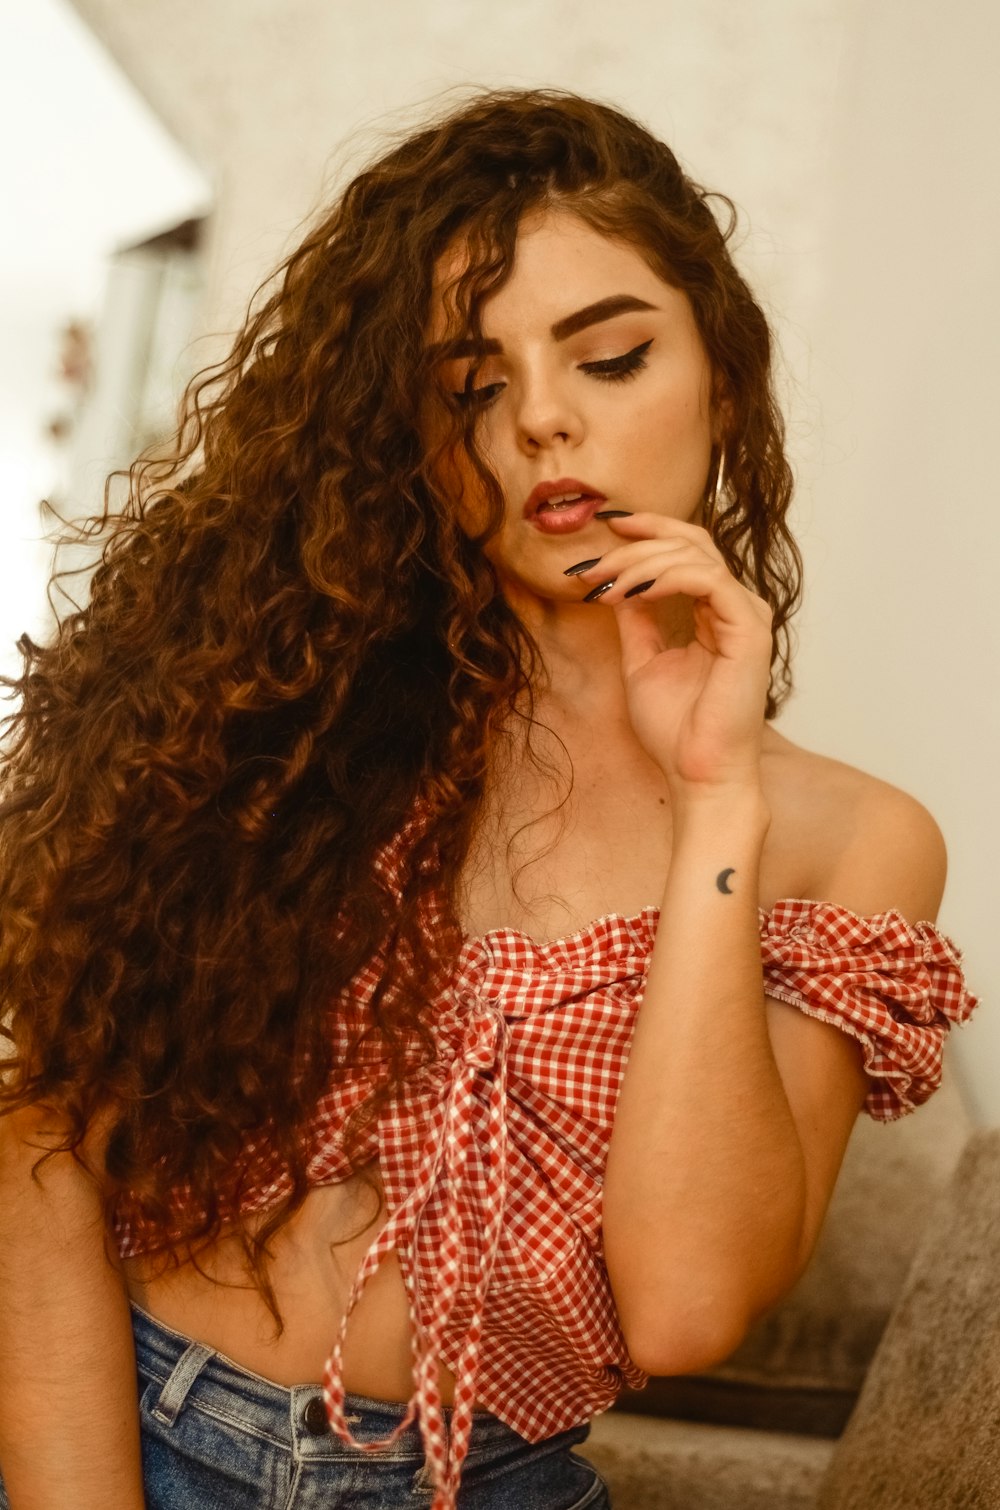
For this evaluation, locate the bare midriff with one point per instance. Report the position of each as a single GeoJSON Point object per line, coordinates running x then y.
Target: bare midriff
{"type": "Point", "coordinates": [312, 1282]}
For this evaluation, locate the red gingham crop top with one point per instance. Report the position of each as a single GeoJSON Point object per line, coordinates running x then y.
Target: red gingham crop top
{"type": "Point", "coordinates": [492, 1160]}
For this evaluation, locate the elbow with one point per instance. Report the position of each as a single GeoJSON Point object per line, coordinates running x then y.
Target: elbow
{"type": "Point", "coordinates": [693, 1315]}
{"type": "Point", "coordinates": [686, 1341]}
{"type": "Point", "coordinates": [699, 1329]}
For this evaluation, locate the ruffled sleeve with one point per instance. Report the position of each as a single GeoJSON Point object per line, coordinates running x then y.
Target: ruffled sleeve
{"type": "Point", "coordinates": [896, 987]}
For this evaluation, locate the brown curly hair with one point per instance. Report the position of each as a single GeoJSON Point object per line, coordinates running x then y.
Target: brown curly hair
{"type": "Point", "coordinates": [289, 638]}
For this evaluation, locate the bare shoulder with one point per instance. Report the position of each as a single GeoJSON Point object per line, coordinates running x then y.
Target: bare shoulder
{"type": "Point", "coordinates": [850, 837]}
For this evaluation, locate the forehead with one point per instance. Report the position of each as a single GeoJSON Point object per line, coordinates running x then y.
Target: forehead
{"type": "Point", "coordinates": [560, 264]}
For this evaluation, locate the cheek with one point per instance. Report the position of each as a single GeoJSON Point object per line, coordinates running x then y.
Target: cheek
{"type": "Point", "coordinates": [678, 414]}
{"type": "Point", "coordinates": [661, 423]}
{"type": "Point", "coordinates": [668, 438]}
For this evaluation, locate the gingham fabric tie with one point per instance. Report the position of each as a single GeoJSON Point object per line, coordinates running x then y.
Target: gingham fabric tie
{"type": "Point", "coordinates": [472, 1223]}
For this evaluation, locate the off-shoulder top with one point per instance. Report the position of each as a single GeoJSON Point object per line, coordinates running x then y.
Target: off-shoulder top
{"type": "Point", "coordinates": [492, 1158]}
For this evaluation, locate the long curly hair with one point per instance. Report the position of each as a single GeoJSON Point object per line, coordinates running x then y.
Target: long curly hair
{"type": "Point", "coordinates": [289, 640]}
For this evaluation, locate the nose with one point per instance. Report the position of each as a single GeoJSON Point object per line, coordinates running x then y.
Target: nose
{"type": "Point", "coordinates": [546, 415]}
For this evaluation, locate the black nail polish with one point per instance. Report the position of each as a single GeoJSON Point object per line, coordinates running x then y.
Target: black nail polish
{"type": "Point", "coordinates": [595, 592]}
{"type": "Point", "coordinates": [613, 514]}
{"type": "Point", "coordinates": [633, 591]}
{"type": "Point", "coordinates": [571, 571]}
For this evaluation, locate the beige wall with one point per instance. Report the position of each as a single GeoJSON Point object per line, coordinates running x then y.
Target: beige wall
{"type": "Point", "coordinates": [263, 94]}
{"type": "Point", "coordinates": [860, 140]}
{"type": "Point", "coordinates": [900, 657]}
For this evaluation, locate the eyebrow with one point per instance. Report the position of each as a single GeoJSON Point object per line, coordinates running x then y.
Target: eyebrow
{"type": "Point", "coordinates": [569, 325]}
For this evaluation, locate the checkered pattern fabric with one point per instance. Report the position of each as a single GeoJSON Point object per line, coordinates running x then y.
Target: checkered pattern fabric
{"type": "Point", "coordinates": [492, 1158]}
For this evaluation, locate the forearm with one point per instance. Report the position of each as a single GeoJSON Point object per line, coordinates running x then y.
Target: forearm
{"type": "Point", "coordinates": [69, 1428]}
{"type": "Point", "coordinates": [705, 1182]}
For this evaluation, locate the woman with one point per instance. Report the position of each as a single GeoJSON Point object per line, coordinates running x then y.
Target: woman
{"type": "Point", "coordinates": [412, 920]}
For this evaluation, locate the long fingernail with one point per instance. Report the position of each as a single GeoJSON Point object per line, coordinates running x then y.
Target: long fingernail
{"type": "Point", "coordinates": [613, 514]}
{"type": "Point", "coordinates": [571, 571]}
{"type": "Point", "coordinates": [595, 592]}
{"type": "Point", "coordinates": [641, 588]}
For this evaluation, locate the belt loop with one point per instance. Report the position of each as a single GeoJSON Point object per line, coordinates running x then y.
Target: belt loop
{"type": "Point", "coordinates": [186, 1370]}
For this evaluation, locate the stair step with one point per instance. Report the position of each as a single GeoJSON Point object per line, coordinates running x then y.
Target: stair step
{"type": "Point", "coordinates": [654, 1464]}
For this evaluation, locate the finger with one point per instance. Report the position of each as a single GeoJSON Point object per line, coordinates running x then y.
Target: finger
{"type": "Point", "coordinates": [667, 537]}
{"type": "Point", "coordinates": [639, 635]}
{"type": "Point", "coordinates": [731, 604]}
{"type": "Point", "coordinates": [622, 557]}
{"type": "Point", "coordinates": [614, 584]}
{"type": "Point", "coordinates": [656, 572]}
{"type": "Point", "coordinates": [647, 525]}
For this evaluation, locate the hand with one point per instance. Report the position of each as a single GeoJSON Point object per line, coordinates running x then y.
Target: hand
{"type": "Point", "coordinates": [697, 710]}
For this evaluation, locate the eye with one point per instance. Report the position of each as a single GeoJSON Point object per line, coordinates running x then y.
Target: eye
{"type": "Point", "coordinates": [616, 369]}
{"type": "Point", "coordinates": [478, 398]}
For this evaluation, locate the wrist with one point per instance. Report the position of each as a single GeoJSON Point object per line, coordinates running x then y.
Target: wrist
{"type": "Point", "coordinates": [716, 851]}
{"type": "Point", "coordinates": [738, 808]}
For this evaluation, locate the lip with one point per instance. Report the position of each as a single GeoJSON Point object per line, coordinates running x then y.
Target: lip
{"type": "Point", "coordinates": [564, 520]}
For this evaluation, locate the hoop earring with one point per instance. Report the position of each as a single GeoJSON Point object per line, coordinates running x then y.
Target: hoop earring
{"type": "Point", "coordinates": [712, 497]}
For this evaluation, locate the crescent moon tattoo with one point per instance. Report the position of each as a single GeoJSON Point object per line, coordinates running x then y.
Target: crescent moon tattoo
{"type": "Point", "coordinates": [721, 880]}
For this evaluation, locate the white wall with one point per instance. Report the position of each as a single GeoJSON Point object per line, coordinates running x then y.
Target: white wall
{"type": "Point", "coordinates": [270, 95]}
{"type": "Point", "coordinates": [860, 138]}
{"type": "Point", "coordinates": [900, 652]}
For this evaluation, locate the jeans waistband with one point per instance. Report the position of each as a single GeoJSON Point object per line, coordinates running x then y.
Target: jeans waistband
{"type": "Point", "coordinates": [190, 1370]}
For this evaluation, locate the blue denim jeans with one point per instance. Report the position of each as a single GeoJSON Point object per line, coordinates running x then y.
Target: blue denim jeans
{"type": "Point", "coordinates": [215, 1437]}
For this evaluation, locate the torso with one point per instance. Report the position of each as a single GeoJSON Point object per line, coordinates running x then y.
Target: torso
{"type": "Point", "coordinates": [613, 839]}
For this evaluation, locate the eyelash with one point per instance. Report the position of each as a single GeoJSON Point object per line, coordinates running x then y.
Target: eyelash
{"type": "Point", "coordinates": [611, 370]}
{"type": "Point", "coordinates": [617, 369]}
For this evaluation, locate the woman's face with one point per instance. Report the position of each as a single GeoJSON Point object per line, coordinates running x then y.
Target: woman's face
{"type": "Point", "coordinates": [593, 381]}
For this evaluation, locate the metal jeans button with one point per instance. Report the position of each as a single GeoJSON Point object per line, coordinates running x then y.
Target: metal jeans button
{"type": "Point", "coordinates": [314, 1416]}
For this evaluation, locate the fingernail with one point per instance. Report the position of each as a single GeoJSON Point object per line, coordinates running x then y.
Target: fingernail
{"type": "Point", "coordinates": [595, 592]}
{"type": "Point", "coordinates": [640, 588]}
{"type": "Point", "coordinates": [571, 571]}
{"type": "Point", "coordinates": [613, 514]}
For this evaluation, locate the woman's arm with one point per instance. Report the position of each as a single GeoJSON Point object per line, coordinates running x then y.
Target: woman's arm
{"type": "Point", "coordinates": [704, 1178]}
{"type": "Point", "coordinates": [735, 1111]}
{"type": "Point", "coordinates": [732, 1118]}
{"type": "Point", "coordinates": [69, 1421]}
